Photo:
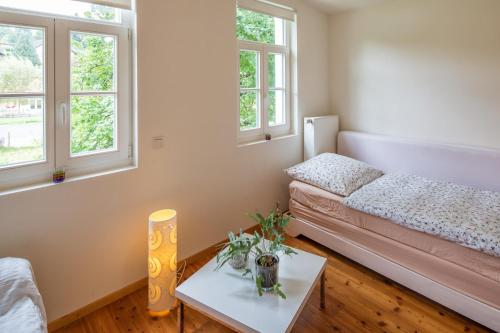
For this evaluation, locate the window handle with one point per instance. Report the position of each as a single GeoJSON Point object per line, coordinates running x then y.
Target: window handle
{"type": "Point", "coordinates": [64, 114]}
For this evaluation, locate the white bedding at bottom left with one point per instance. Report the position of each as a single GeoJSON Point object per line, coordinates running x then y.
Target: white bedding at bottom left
{"type": "Point", "coordinates": [21, 305]}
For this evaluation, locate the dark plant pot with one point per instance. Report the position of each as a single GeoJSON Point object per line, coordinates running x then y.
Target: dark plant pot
{"type": "Point", "coordinates": [268, 273]}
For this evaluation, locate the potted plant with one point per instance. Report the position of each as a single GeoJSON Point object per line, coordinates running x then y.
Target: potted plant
{"type": "Point", "coordinates": [235, 251]}
{"type": "Point", "coordinates": [264, 246]}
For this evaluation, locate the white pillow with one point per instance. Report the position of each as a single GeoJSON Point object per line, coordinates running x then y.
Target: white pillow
{"type": "Point", "coordinates": [334, 173]}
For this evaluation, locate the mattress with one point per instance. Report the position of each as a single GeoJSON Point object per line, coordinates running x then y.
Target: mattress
{"type": "Point", "coordinates": [470, 271]}
{"type": "Point", "coordinates": [464, 215]}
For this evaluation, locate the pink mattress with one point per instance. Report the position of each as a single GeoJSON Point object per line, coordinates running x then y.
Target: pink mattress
{"type": "Point", "coordinates": [472, 272]}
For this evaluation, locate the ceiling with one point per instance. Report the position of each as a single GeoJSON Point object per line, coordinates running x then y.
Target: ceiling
{"type": "Point", "coordinates": [334, 6]}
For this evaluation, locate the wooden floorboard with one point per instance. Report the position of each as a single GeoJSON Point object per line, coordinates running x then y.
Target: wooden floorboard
{"type": "Point", "coordinates": [358, 300]}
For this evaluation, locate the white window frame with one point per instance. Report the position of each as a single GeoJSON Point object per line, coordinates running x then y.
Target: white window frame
{"type": "Point", "coordinates": [120, 155]}
{"type": "Point", "coordinates": [57, 97]}
{"type": "Point", "coordinates": [30, 172]}
{"type": "Point", "coordinates": [263, 50]}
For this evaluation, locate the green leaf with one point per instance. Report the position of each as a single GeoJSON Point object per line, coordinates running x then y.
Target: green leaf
{"type": "Point", "coordinates": [246, 272]}
{"type": "Point", "coordinates": [261, 220]}
{"type": "Point", "coordinates": [277, 290]}
{"type": "Point", "coordinates": [222, 263]}
{"type": "Point", "coordinates": [289, 251]}
{"type": "Point", "coordinates": [258, 282]}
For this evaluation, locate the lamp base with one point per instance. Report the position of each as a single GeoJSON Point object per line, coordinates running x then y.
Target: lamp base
{"type": "Point", "coordinates": [158, 314]}
{"type": "Point", "coordinates": [165, 313]}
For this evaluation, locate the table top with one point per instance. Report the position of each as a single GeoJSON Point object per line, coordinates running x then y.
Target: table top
{"type": "Point", "coordinates": [231, 299]}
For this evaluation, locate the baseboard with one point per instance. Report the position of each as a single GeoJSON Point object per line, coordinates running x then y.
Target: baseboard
{"type": "Point", "coordinates": [127, 290]}
{"type": "Point", "coordinates": [102, 302]}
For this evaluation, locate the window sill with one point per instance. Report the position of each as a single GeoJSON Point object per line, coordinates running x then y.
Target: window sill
{"type": "Point", "coordinates": [263, 141]}
{"type": "Point", "coordinates": [68, 180]}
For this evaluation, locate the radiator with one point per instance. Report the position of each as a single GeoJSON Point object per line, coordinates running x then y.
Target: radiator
{"type": "Point", "coordinates": [320, 135]}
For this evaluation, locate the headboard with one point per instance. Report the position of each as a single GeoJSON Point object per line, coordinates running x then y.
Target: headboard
{"type": "Point", "coordinates": [464, 165]}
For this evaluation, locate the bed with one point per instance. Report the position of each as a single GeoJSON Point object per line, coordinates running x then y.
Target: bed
{"type": "Point", "coordinates": [21, 306]}
{"type": "Point", "coordinates": [461, 278]}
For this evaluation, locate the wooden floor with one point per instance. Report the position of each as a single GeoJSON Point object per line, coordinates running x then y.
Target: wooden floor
{"type": "Point", "coordinates": [357, 300]}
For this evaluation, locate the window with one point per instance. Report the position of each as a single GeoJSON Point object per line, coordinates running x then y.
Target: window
{"type": "Point", "coordinates": [66, 8]}
{"type": "Point", "coordinates": [23, 90]}
{"type": "Point", "coordinates": [264, 67]}
{"type": "Point", "coordinates": [64, 94]}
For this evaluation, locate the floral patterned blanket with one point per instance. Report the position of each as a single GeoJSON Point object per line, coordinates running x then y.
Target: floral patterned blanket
{"type": "Point", "coordinates": [467, 216]}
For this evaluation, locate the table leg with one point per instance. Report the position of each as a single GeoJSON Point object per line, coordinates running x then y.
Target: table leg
{"type": "Point", "coordinates": [180, 318]}
{"type": "Point", "coordinates": [322, 291]}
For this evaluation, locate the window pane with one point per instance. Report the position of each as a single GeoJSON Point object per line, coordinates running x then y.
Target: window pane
{"type": "Point", "coordinates": [21, 59]}
{"type": "Point", "coordinates": [249, 117]}
{"type": "Point", "coordinates": [92, 62]}
{"type": "Point", "coordinates": [21, 130]}
{"type": "Point", "coordinates": [67, 8]}
{"type": "Point", "coordinates": [92, 124]}
{"type": "Point", "coordinates": [258, 27]}
{"type": "Point", "coordinates": [276, 65]}
{"type": "Point", "coordinates": [276, 110]}
{"type": "Point", "coordinates": [249, 69]}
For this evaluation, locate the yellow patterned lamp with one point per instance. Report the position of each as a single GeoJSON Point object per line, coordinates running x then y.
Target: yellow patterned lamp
{"type": "Point", "coordinates": [162, 262]}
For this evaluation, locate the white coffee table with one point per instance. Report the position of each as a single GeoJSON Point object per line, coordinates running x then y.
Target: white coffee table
{"type": "Point", "coordinates": [232, 300]}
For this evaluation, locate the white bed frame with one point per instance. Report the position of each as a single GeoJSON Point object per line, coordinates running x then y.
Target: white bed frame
{"type": "Point", "coordinates": [464, 165]}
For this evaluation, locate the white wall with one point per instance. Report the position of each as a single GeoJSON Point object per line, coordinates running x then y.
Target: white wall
{"type": "Point", "coordinates": [87, 239]}
{"type": "Point", "coordinates": [419, 68]}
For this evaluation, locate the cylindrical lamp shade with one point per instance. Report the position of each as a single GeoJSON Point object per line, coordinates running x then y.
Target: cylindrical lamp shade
{"type": "Point", "coordinates": [162, 262]}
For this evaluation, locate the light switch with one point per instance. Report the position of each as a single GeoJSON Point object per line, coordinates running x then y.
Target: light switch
{"type": "Point", "coordinates": [158, 142]}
